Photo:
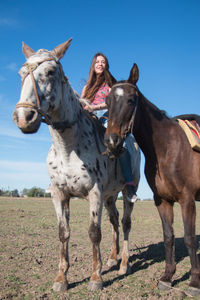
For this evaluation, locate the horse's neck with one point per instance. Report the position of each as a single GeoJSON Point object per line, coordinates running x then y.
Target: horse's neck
{"type": "Point", "coordinates": [70, 107]}
{"type": "Point", "coordinates": [150, 123]}
{"type": "Point", "coordinates": [70, 112]}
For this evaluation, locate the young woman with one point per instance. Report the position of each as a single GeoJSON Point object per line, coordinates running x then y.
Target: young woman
{"type": "Point", "coordinates": [98, 86]}
{"type": "Point", "coordinates": [95, 92]}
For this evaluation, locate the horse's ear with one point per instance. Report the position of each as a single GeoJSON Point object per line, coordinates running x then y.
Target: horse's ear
{"type": "Point", "coordinates": [27, 50]}
{"type": "Point", "coordinates": [60, 50]}
{"type": "Point", "coordinates": [134, 74]}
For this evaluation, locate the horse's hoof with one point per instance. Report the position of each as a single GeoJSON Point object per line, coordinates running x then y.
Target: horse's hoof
{"type": "Point", "coordinates": [60, 287]}
{"type": "Point", "coordinates": [124, 270]}
{"type": "Point", "coordinates": [95, 285]}
{"type": "Point", "coordinates": [111, 262]}
{"type": "Point", "coordinates": [164, 286]}
{"type": "Point", "coordinates": [193, 291]}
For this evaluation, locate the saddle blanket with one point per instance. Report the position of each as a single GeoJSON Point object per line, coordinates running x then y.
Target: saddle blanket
{"type": "Point", "coordinates": [192, 131]}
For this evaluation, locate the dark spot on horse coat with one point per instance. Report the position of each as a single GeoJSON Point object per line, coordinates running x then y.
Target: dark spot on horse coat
{"type": "Point", "coordinates": [63, 234]}
{"type": "Point", "coordinates": [97, 164]}
{"type": "Point", "coordinates": [95, 233]}
{"type": "Point", "coordinates": [52, 98]}
{"type": "Point", "coordinates": [89, 142]}
{"type": "Point", "coordinates": [95, 171]}
{"type": "Point", "coordinates": [87, 121]}
{"type": "Point", "coordinates": [84, 191]}
{"type": "Point", "coordinates": [85, 133]}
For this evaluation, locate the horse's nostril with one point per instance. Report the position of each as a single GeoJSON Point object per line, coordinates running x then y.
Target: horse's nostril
{"type": "Point", "coordinates": [30, 115]}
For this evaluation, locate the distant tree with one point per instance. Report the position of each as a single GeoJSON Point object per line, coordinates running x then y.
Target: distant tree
{"type": "Point", "coordinates": [14, 193]}
{"type": "Point", "coordinates": [6, 193]}
{"type": "Point", "coordinates": [24, 192]}
{"type": "Point", "coordinates": [47, 195]}
{"type": "Point", "coordinates": [36, 192]}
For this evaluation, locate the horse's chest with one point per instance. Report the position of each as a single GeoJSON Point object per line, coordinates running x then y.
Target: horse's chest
{"type": "Point", "coordinates": [72, 171]}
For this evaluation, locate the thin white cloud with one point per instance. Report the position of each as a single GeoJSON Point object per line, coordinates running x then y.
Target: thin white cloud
{"type": "Point", "coordinates": [11, 133]}
{"type": "Point", "coordinates": [12, 67]}
{"type": "Point", "coordinates": [23, 174]}
{"type": "Point", "coordinates": [16, 133]}
{"type": "Point", "coordinates": [22, 166]}
{"type": "Point", "coordinates": [8, 22]}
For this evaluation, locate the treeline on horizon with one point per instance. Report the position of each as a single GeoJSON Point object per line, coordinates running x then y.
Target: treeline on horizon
{"type": "Point", "coordinates": [36, 192]}
{"type": "Point", "coordinates": [32, 192]}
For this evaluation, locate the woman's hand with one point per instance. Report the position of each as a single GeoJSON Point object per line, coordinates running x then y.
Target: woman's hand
{"type": "Point", "coordinates": [89, 108]}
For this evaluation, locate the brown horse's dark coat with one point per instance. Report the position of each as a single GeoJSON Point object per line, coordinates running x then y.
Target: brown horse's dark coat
{"type": "Point", "coordinates": [172, 168]}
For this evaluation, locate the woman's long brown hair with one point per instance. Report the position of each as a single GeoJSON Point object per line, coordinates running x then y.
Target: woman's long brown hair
{"type": "Point", "coordinates": [96, 80]}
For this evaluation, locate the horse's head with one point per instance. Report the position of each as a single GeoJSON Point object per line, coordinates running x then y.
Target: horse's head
{"type": "Point", "coordinates": [122, 104]}
{"type": "Point", "coordinates": [42, 87]}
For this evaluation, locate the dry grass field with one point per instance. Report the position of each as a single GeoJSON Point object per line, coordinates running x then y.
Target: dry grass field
{"type": "Point", "coordinates": [29, 249]}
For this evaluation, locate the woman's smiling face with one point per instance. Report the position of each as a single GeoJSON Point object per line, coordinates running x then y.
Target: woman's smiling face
{"type": "Point", "coordinates": [100, 64]}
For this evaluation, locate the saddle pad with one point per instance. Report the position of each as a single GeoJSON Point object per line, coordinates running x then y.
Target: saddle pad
{"type": "Point", "coordinates": [191, 132]}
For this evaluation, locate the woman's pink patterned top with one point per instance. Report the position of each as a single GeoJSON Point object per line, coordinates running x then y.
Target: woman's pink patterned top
{"type": "Point", "coordinates": [101, 94]}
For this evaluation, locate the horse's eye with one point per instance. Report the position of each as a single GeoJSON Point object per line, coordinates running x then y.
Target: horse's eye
{"type": "Point", "coordinates": [130, 101]}
{"type": "Point", "coordinates": [51, 73]}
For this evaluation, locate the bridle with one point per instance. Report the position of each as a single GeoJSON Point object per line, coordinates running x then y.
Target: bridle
{"type": "Point", "coordinates": [45, 118]}
{"type": "Point", "coordinates": [131, 122]}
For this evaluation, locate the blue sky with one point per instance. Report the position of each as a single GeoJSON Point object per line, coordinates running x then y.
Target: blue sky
{"type": "Point", "coordinates": [162, 37]}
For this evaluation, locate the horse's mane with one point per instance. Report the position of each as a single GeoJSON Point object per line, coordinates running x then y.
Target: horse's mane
{"type": "Point", "coordinates": [96, 124]}
{"type": "Point", "coordinates": [98, 127]}
{"type": "Point", "coordinates": [158, 113]}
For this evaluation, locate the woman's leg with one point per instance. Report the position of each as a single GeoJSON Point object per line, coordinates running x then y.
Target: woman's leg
{"type": "Point", "coordinates": [126, 166]}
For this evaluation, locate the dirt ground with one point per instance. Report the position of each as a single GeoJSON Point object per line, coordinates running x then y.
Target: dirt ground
{"type": "Point", "coordinates": [29, 251]}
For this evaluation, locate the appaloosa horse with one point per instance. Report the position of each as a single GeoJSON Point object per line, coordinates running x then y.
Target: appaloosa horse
{"type": "Point", "coordinates": [75, 162]}
{"type": "Point", "coordinates": [172, 168]}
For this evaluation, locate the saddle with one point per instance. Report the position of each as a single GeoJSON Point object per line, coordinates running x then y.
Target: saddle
{"type": "Point", "coordinates": [192, 131]}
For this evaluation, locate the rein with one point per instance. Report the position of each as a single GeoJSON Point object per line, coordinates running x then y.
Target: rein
{"type": "Point", "coordinates": [45, 117]}
{"type": "Point", "coordinates": [131, 122]}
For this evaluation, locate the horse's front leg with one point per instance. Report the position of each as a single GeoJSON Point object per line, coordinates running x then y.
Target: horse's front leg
{"type": "Point", "coordinates": [113, 216]}
{"type": "Point", "coordinates": [95, 199]}
{"type": "Point", "coordinates": [165, 210]}
{"type": "Point", "coordinates": [126, 225]}
{"type": "Point", "coordinates": [61, 204]}
{"type": "Point", "coordinates": [189, 220]}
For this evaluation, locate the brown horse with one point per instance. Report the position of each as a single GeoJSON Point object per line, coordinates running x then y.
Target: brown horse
{"type": "Point", "coordinates": [172, 168]}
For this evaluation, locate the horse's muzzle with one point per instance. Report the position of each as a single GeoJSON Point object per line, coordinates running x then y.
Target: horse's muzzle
{"type": "Point", "coordinates": [114, 143]}
{"type": "Point", "coordinates": [27, 119]}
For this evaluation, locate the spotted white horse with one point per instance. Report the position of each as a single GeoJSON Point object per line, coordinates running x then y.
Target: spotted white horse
{"type": "Point", "coordinates": [75, 162]}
